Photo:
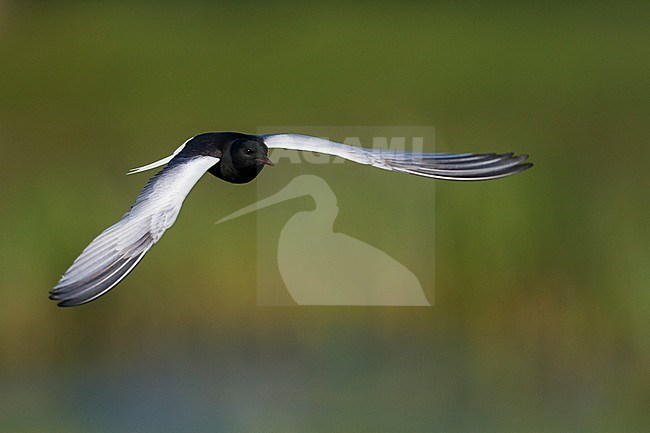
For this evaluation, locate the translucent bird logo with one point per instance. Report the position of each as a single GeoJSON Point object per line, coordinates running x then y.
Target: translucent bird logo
{"type": "Point", "coordinates": [321, 267]}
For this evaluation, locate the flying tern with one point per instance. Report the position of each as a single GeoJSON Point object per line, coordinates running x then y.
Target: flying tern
{"type": "Point", "coordinates": [236, 158]}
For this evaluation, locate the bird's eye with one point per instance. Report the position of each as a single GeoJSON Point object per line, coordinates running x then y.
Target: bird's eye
{"type": "Point", "coordinates": [249, 151]}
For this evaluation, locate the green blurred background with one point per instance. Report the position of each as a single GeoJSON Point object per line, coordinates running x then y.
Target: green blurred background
{"type": "Point", "coordinates": [542, 296]}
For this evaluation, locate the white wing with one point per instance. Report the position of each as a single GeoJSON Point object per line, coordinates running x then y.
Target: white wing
{"type": "Point", "coordinates": [118, 249]}
{"type": "Point", "coordinates": [467, 166]}
{"type": "Point", "coordinates": [160, 162]}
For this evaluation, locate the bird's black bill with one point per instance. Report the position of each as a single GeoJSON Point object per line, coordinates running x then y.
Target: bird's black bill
{"type": "Point", "coordinates": [265, 161]}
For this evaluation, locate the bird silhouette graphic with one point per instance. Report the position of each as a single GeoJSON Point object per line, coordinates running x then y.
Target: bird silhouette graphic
{"type": "Point", "coordinates": [322, 267]}
{"type": "Point", "coordinates": [236, 158]}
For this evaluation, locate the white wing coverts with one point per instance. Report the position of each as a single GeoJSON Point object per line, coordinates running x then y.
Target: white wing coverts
{"type": "Point", "coordinates": [118, 249]}
{"type": "Point", "coordinates": [448, 166]}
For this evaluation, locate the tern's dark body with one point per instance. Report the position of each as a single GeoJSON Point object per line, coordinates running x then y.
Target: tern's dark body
{"type": "Point", "coordinates": [241, 156]}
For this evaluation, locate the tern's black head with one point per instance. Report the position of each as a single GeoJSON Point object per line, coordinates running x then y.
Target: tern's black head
{"type": "Point", "coordinates": [241, 156]}
{"type": "Point", "coordinates": [249, 152]}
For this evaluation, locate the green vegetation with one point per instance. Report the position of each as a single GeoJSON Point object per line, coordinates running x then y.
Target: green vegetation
{"type": "Point", "coordinates": [542, 280]}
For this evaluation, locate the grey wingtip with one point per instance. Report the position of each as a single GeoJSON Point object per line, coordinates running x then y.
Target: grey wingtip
{"type": "Point", "coordinates": [470, 167]}
{"type": "Point", "coordinates": [62, 302]}
{"type": "Point", "coordinates": [520, 167]}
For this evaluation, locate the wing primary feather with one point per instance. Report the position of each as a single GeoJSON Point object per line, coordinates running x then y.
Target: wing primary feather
{"type": "Point", "coordinates": [93, 292]}
{"type": "Point", "coordinates": [98, 274]}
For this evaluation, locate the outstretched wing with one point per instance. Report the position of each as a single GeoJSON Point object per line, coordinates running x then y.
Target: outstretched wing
{"type": "Point", "coordinates": [448, 166]}
{"type": "Point", "coordinates": [118, 249]}
{"type": "Point", "coordinates": [160, 162]}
